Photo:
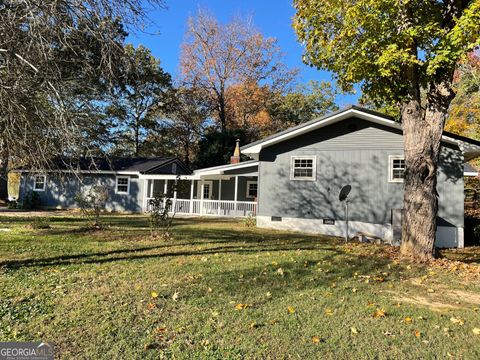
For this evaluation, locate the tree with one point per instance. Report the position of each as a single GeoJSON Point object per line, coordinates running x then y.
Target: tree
{"type": "Point", "coordinates": [464, 112]}
{"type": "Point", "coordinates": [143, 93]}
{"type": "Point", "coordinates": [216, 148]}
{"type": "Point", "coordinates": [185, 122]}
{"type": "Point", "coordinates": [48, 50]}
{"type": "Point", "coordinates": [306, 102]}
{"type": "Point", "coordinates": [216, 56]}
{"type": "Point", "coordinates": [394, 49]}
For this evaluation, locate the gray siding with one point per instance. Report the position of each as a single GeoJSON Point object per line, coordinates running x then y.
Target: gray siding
{"type": "Point", "coordinates": [352, 152]}
{"type": "Point", "coordinates": [60, 191]}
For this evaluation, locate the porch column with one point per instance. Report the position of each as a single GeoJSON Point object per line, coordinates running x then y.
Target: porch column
{"type": "Point", "coordinates": [145, 194]}
{"type": "Point", "coordinates": [236, 196]}
{"type": "Point", "coordinates": [174, 195]}
{"type": "Point", "coordinates": [165, 190]}
{"type": "Point", "coordinates": [201, 196]}
{"type": "Point", "coordinates": [192, 184]}
{"type": "Point", "coordinates": [219, 196]}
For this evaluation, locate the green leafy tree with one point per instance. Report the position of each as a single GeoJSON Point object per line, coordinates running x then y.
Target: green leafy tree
{"type": "Point", "coordinates": [304, 103]}
{"type": "Point", "coordinates": [394, 49]}
{"type": "Point", "coordinates": [143, 94]}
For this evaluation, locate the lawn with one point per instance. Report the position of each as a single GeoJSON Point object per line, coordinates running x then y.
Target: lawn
{"type": "Point", "coordinates": [222, 290]}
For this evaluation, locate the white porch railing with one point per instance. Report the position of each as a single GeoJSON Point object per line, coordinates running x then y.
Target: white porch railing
{"type": "Point", "coordinates": [227, 208]}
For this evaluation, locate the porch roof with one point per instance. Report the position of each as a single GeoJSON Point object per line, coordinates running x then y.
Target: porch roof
{"type": "Point", "coordinates": [244, 168]}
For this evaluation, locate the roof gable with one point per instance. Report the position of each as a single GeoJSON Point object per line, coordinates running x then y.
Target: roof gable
{"type": "Point", "coordinates": [253, 149]}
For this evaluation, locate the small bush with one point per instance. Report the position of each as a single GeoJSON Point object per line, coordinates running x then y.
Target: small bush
{"type": "Point", "coordinates": [40, 223]}
{"type": "Point", "coordinates": [250, 221]}
{"type": "Point", "coordinates": [92, 204]}
{"type": "Point", "coordinates": [13, 205]}
{"type": "Point", "coordinates": [160, 219]}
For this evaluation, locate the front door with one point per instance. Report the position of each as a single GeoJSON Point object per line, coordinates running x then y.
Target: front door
{"type": "Point", "coordinates": [207, 189]}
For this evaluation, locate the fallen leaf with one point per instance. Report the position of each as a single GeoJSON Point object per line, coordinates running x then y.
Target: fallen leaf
{"type": "Point", "coordinates": [151, 306]}
{"type": "Point", "coordinates": [354, 290]}
{"type": "Point", "coordinates": [241, 306]}
{"type": "Point", "coordinates": [154, 294]}
{"type": "Point", "coordinates": [161, 330]}
{"type": "Point", "coordinates": [407, 320]}
{"type": "Point", "coordinates": [430, 290]}
{"type": "Point", "coordinates": [269, 294]}
{"type": "Point", "coordinates": [280, 272]}
{"type": "Point", "coordinates": [316, 339]}
{"type": "Point", "coordinates": [457, 321]}
{"type": "Point", "coordinates": [175, 296]}
{"type": "Point", "coordinates": [354, 330]}
{"type": "Point", "coordinates": [417, 333]}
{"type": "Point", "coordinates": [329, 312]}
{"type": "Point", "coordinates": [388, 333]}
{"type": "Point", "coordinates": [209, 289]}
{"type": "Point", "coordinates": [379, 313]}
{"type": "Point", "coordinates": [291, 309]}
{"type": "Point", "coordinates": [476, 331]}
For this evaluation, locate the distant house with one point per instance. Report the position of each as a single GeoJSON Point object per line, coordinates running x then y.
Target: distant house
{"type": "Point", "coordinates": [293, 180]}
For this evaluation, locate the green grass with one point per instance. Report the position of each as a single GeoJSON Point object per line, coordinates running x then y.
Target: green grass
{"type": "Point", "coordinates": [90, 294]}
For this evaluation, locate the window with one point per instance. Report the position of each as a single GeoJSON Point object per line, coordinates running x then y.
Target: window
{"type": "Point", "coordinates": [123, 185]}
{"type": "Point", "coordinates": [396, 166]}
{"type": "Point", "coordinates": [252, 189]}
{"type": "Point", "coordinates": [39, 182]}
{"type": "Point", "coordinates": [303, 168]}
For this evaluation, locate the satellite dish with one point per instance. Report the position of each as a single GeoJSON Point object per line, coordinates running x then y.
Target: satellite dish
{"type": "Point", "coordinates": [344, 192]}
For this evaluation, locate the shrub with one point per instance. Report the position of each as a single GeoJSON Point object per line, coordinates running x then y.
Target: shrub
{"type": "Point", "coordinates": [92, 203]}
{"type": "Point", "coordinates": [250, 221]}
{"type": "Point", "coordinates": [161, 218]}
{"type": "Point", "coordinates": [40, 223]}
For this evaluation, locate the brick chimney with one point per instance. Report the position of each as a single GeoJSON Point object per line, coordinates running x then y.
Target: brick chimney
{"type": "Point", "coordinates": [235, 159]}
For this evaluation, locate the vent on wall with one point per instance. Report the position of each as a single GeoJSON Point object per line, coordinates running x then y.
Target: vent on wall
{"type": "Point", "coordinates": [276, 218]}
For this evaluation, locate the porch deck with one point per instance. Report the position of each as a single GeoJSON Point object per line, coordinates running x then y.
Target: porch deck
{"type": "Point", "coordinates": [226, 208]}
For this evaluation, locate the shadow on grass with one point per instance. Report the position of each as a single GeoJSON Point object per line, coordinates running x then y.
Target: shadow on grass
{"type": "Point", "coordinates": [242, 242]}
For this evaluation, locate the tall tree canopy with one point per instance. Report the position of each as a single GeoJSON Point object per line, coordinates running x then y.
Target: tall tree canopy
{"type": "Point", "coordinates": [141, 96]}
{"type": "Point", "coordinates": [217, 56]}
{"type": "Point", "coordinates": [51, 54]}
{"type": "Point", "coordinates": [394, 49]}
{"type": "Point", "coordinates": [464, 113]}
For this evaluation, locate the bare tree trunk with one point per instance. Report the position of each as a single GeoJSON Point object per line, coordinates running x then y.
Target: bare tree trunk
{"type": "Point", "coordinates": [4, 177]}
{"type": "Point", "coordinates": [422, 140]}
{"type": "Point", "coordinates": [137, 136]}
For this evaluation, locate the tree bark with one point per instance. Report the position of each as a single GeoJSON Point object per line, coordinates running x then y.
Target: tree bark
{"type": "Point", "coordinates": [422, 139]}
{"type": "Point", "coordinates": [4, 178]}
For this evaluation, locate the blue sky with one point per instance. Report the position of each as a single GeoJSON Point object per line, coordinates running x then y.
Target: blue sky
{"type": "Point", "coordinates": [272, 17]}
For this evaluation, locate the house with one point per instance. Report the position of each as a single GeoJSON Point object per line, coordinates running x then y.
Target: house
{"type": "Point", "coordinates": [293, 180]}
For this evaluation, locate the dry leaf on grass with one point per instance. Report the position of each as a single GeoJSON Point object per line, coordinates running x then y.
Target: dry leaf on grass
{"type": "Point", "coordinates": [316, 339]}
{"type": "Point", "coordinates": [291, 310]}
{"type": "Point", "coordinates": [379, 313]}
{"type": "Point", "coordinates": [154, 294]}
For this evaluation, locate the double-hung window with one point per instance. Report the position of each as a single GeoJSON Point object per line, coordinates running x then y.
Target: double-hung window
{"type": "Point", "coordinates": [303, 168]}
{"type": "Point", "coordinates": [39, 182]}
{"type": "Point", "coordinates": [396, 168]}
{"type": "Point", "coordinates": [123, 185]}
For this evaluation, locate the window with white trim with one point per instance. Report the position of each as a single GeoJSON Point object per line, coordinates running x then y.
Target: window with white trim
{"type": "Point", "coordinates": [396, 168]}
{"type": "Point", "coordinates": [252, 189]}
{"type": "Point", "coordinates": [39, 182]}
{"type": "Point", "coordinates": [123, 185]}
{"type": "Point", "coordinates": [303, 168]}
